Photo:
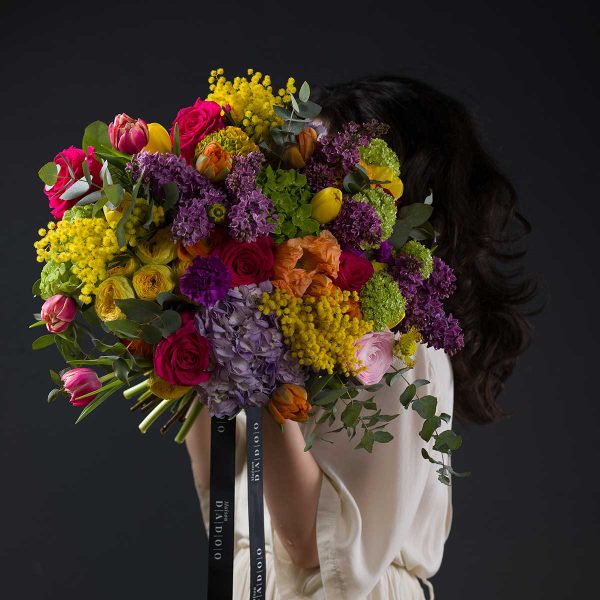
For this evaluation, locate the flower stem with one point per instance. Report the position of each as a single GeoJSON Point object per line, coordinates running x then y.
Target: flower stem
{"type": "Point", "coordinates": [106, 377]}
{"type": "Point", "coordinates": [142, 386]}
{"type": "Point", "coordinates": [189, 421]}
{"type": "Point", "coordinates": [154, 414]}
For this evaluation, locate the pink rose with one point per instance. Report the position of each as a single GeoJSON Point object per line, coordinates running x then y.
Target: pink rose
{"type": "Point", "coordinates": [57, 312]}
{"type": "Point", "coordinates": [183, 357]}
{"type": "Point", "coordinates": [79, 382]}
{"type": "Point", "coordinates": [196, 122]}
{"type": "Point", "coordinates": [375, 352]}
{"type": "Point", "coordinates": [128, 135]}
{"type": "Point", "coordinates": [355, 270]}
{"type": "Point", "coordinates": [73, 157]}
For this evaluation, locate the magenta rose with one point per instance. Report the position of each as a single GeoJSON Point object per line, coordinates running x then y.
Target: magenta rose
{"type": "Point", "coordinates": [248, 262]}
{"type": "Point", "coordinates": [79, 382]}
{"type": "Point", "coordinates": [58, 312]}
{"type": "Point", "coordinates": [195, 122]}
{"type": "Point", "coordinates": [355, 270]}
{"type": "Point", "coordinates": [375, 353]}
{"type": "Point", "coordinates": [183, 357]}
{"type": "Point", "coordinates": [73, 157]}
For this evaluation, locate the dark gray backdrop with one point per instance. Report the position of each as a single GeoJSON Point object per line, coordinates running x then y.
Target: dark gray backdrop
{"type": "Point", "coordinates": [97, 510]}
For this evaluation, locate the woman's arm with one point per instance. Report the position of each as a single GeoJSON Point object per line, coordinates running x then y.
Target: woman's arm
{"type": "Point", "coordinates": [292, 483]}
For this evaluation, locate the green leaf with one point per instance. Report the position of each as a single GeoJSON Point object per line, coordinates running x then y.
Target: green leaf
{"type": "Point", "coordinates": [304, 93]}
{"type": "Point", "coordinates": [366, 441]}
{"type": "Point", "coordinates": [151, 335]}
{"type": "Point", "coordinates": [166, 297]}
{"type": "Point", "coordinates": [35, 288]}
{"type": "Point", "coordinates": [316, 384]}
{"type": "Point", "coordinates": [351, 413]}
{"type": "Point", "coordinates": [86, 172]}
{"type": "Point", "coordinates": [90, 198]}
{"type": "Point", "coordinates": [114, 194]}
{"type": "Point", "coordinates": [96, 135]}
{"type": "Point", "coordinates": [308, 109]}
{"type": "Point", "coordinates": [171, 192]}
{"type": "Point", "coordinates": [105, 361]}
{"type": "Point", "coordinates": [415, 214]}
{"type": "Point", "coordinates": [425, 406]}
{"type": "Point", "coordinates": [310, 438]}
{"type": "Point", "coordinates": [383, 437]}
{"type": "Point", "coordinates": [49, 173]}
{"type": "Point", "coordinates": [407, 395]}
{"type": "Point", "coordinates": [420, 382]}
{"type": "Point", "coordinates": [56, 380]}
{"type": "Point", "coordinates": [37, 324]}
{"type": "Point", "coordinates": [432, 460]}
{"type": "Point", "coordinates": [294, 103]}
{"type": "Point", "coordinates": [281, 112]}
{"type": "Point", "coordinates": [120, 229]}
{"type": "Point", "coordinates": [75, 190]}
{"type": "Point", "coordinates": [328, 396]}
{"type": "Point", "coordinates": [107, 392]}
{"type": "Point", "coordinates": [140, 311]}
{"type": "Point", "coordinates": [445, 417]}
{"type": "Point", "coordinates": [43, 341]}
{"type": "Point", "coordinates": [429, 426]}
{"type": "Point", "coordinates": [54, 394]}
{"type": "Point", "coordinates": [170, 321]}
{"type": "Point", "coordinates": [447, 441]}
{"type": "Point", "coordinates": [121, 369]}
{"type": "Point", "coordinates": [176, 141]}
{"type": "Point", "coordinates": [124, 328]}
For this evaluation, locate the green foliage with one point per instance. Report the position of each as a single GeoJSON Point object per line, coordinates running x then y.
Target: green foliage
{"type": "Point", "coordinates": [49, 173]}
{"type": "Point", "coordinates": [409, 219]}
{"type": "Point", "coordinates": [96, 135]}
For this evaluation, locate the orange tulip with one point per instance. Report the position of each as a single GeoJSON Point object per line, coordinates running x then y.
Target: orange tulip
{"type": "Point", "coordinates": [214, 163]}
{"type": "Point", "coordinates": [296, 154]}
{"type": "Point", "coordinates": [289, 401]}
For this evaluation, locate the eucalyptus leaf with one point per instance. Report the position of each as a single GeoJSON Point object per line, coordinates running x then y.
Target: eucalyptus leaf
{"type": "Point", "coordinates": [407, 395]}
{"type": "Point", "coordinates": [447, 441]}
{"type": "Point", "coordinates": [49, 173]}
{"type": "Point", "coordinates": [114, 194]}
{"type": "Point", "coordinates": [425, 406]}
{"type": "Point", "coordinates": [170, 321]}
{"type": "Point", "coordinates": [429, 427]}
{"type": "Point", "coordinates": [54, 394]}
{"type": "Point", "coordinates": [121, 369]}
{"type": "Point", "coordinates": [125, 328]}
{"type": "Point", "coordinates": [294, 103]}
{"type": "Point", "coordinates": [43, 341]}
{"type": "Point", "coordinates": [75, 190]}
{"type": "Point", "coordinates": [304, 93]}
{"type": "Point", "coordinates": [140, 311]}
{"type": "Point", "coordinates": [366, 441]}
{"type": "Point", "coordinates": [96, 135]}
{"type": "Point", "coordinates": [351, 413]}
{"type": "Point", "coordinates": [308, 109]}
{"type": "Point", "coordinates": [150, 334]}
{"type": "Point", "coordinates": [90, 198]}
{"type": "Point", "coordinates": [383, 437]}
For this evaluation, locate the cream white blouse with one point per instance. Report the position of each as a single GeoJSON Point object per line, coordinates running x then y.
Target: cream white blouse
{"type": "Point", "coordinates": [382, 518]}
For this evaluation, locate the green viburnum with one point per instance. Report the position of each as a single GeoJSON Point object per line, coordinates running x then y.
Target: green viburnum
{"type": "Point", "coordinates": [380, 154]}
{"type": "Point", "coordinates": [422, 254]}
{"type": "Point", "coordinates": [385, 207]}
{"type": "Point", "coordinates": [291, 196]}
{"type": "Point", "coordinates": [56, 278]}
{"type": "Point", "coordinates": [382, 301]}
{"type": "Point", "coordinates": [79, 212]}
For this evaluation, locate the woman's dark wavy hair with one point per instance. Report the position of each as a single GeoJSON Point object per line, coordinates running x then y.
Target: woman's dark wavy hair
{"type": "Point", "coordinates": [476, 214]}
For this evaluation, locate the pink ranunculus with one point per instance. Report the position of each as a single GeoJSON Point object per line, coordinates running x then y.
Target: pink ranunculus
{"type": "Point", "coordinates": [74, 157]}
{"type": "Point", "coordinates": [355, 270]}
{"type": "Point", "coordinates": [128, 135]}
{"type": "Point", "coordinates": [183, 357]}
{"type": "Point", "coordinates": [375, 352]}
{"type": "Point", "coordinates": [57, 312]}
{"type": "Point", "coordinates": [79, 382]}
{"type": "Point", "coordinates": [196, 122]}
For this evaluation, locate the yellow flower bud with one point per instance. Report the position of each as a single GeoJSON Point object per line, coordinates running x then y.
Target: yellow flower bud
{"type": "Point", "coordinates": [326, 204]}
{"type": "Point", "coordinates": [151, 280]}
{"type": "Point", "coordinates": [159, 139]}
{"type": "Point", "coordinates": [160, 249]}
{"type": "Point", "coordinates": [111, 289]}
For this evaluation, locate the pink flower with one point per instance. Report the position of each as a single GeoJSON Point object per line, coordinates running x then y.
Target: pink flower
{"type": "Point", "coordinates": [355, 270]}
{"type": "Point", "coordinates": [128, 135]}
{"type": "Point", "coordinates": [79, 382]}
{"type": "Point", "coordinates": [195, 123]}
{"type": "Point", "coordinates": [375, 352]}
{"type": "Point", "coordinates": [73, 157]}
{"type": "Point", "coordinates": [57, 312]}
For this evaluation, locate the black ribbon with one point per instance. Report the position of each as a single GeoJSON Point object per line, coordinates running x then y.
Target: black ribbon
{"type": "Point", "coordinates": [222, 497]}
{"type": "Point", "coordinates": [256, 519]}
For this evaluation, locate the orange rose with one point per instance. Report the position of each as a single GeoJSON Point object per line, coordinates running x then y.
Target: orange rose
{"type": "Point", "coordinates": [214, 162]}
{"type": "Point", "coordinates": [289, 401]}
{"type": "Point", "coordinates": [299, 261]}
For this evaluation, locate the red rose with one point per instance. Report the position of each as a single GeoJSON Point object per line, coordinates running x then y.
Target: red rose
{"type": "Point", "coordinates": [73, 157]}
{"type": "Point", "coordinates": [183, 357]}
{"type": "Point", "coordinates": [196, 122]}
{"type": "Point", "coordinates": [355, 270]}
{"type": "Point", "coordinates": [248, 262]}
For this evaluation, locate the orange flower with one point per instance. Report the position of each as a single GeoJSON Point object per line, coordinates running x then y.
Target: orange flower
{"type": "Point", "coordinates": [289, 401]}
{"type": "Point", "coordinates": [299, 261]}
{"type": "Point", "coordinates": [354, 311]}
{"type": "Point", "coordinates": [138, 348]}
{"type": "Point", "coordinates": [296, 154]}
{"type": "Point", "coordinates": [202, 247]}
{"type": "Point", "coordinates": [214, 162]}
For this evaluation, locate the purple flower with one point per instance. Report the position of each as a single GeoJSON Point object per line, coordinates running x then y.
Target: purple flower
{"type": "Point", "coordinates": [242, 178]}
{"type": "Point", "coordinates": [406, 270]}
{"type": "Point", "coordinates": [250, 358]}
{"type": "Point", "coordinates": [320, 175]}
{"type": "Point", "coordinates": [206, 280]}
{"type": "Point", "coordinates": [441, 282]}
{"type": "Point", "coordinates": [357, 223]}
{"type": "Point", "coordinates": [252, 217]}
{"type": "Point", "coordinates": [384, 252]}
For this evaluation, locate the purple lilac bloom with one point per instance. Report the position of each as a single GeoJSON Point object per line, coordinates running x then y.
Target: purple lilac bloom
{"type": "Point", "coordinates": [252, 217]}
{"type": "Point", "coordinates": [242, 178]}
{"type": "Point", "coordinates": [206, 280]}
{"type": "Point", "coordinates": [250, 358]}
{"type": "Point", "coordinates": [357, 223]}
{"type": "Point", "coordinates": [406, 270]}
{"type": "Point", "coordinates": [320, 175]}
{"type": "Point", "coordinates": [384, 252]}
{"type": "Point", "coordinates": [441, 282]}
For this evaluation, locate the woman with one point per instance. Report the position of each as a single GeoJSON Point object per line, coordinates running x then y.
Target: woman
{"type": "Point", "coordinates": [341, 523]}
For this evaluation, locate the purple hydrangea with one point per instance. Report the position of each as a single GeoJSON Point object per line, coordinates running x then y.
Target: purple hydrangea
{"type": "Point", "coordinates": [206, 280]}
{"type": "Point", "coordinates": [252, 217]}
{"type": "Point", "coordinates": [356, 224]}
{"type": "Point", "coordinates": [242, 178]}
{"type": "Point", "coordinates": [250, 358]}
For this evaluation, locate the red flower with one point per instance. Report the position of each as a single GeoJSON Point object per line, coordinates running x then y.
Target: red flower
{"type": "Point", "coordinates": [355, 270]}
{"type": "Point", "coordinates": [79, 382]}
{"type": "Point", "coordinates": [183, 357]}
{"type": "Point", "coordinates": [195, 123]}
{"type": "Point", "coordinates": [248, 262]}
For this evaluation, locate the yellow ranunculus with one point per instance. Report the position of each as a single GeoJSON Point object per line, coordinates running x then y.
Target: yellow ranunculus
{"type": "Point", "coordinates": [376, 173]}
{"type": "Point", "coordinates": [326, 204]}
{"type": "Point", "coordinates": [126, 268]}
{"type": "Point", "coordinates": [160, 249]}
{"type": "Point", "coordinates": [151, 280]}
{"type": "Point", "coordinates": [113, 288]}
{"type": "Point", "coordinates": [180, 267]}
{"type": "Point", "coordinates": [159, 139]}
{"type": "Point", "coordinates": [167, 391]}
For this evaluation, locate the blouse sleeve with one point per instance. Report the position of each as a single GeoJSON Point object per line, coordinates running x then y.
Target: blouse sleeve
{"type": "Point", "coordinates": [380, 508]}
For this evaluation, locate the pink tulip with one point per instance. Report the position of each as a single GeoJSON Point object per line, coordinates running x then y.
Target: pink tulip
{"type": "Point", "coordinates": [57, 312]}
{"type": "Point", "coordinates": [128, 135]}
{"type": "Point", "coordinates": [79, 382]}
{"type": "Point", "coordinates": [376, 352]}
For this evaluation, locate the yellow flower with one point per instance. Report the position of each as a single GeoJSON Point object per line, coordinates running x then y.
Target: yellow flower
{"type": "Point", "coordinates": [326, 204]}
{"type": "Point", "coordinates": [232, 139]}
{"type": "Point", "coordinates": [134, 225]}
{"type": "Point", "coordinates": [161, 388]}
{"type": "Point", "coordinates": [151, 280]}
{"type": "Point", "coordinates": [405, 347]}
{"type": "Point", "coordinates": [392, 183]}
{"type": "Point", "coordinates": [159, 139]}
{"type": "Point", "coordinates": [160, 249]}
{"type": "Point", "coordinates": [111, 289]}
{"type": "Point", "coordinates": [125, 267]}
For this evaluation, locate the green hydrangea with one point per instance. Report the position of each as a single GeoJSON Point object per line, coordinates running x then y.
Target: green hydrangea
{"type": "Point", "coordinates": [384, 205]}
{"type": "Point", "coordinates": [79, 212]}
{"type": "Point", "coordinates": [380, 154]}
{"type": "Point", "coordinates": [56, 278]}
{"type": "Point", "coordinates": [422, 254]}
{"type": "Point", "coordinates": [382, 301]}
{"type": "Point", "coordinates": [291, 196]}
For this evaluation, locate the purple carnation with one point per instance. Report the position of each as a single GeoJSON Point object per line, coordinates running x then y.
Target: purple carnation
{"type": "Point", "coordinates": [252, 217]}
{"type": "Point", "coordinates": [242, 178]}
{"type": "Point", "coordinates": [206, 280]}
{"type": "Point", "coordinates": [250, 358]}
{"type": "Point", "coordinates": [357, 223]}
